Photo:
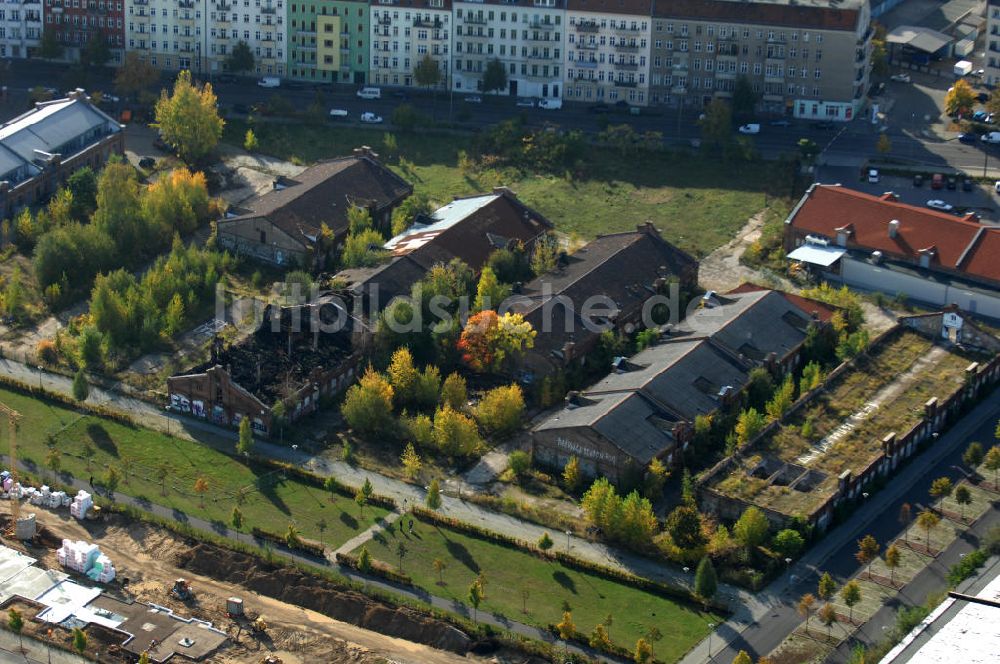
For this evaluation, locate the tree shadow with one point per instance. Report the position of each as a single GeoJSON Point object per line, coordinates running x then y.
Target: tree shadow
{"type": "Point", "coordinates": [349, 520]}
{"type": "Point", "coordinates": [102, 439]}
{"type": "Point", "coordinates": [462, 555]}
{"type": "Point", "coordinates": [219, 526]}
{"type": "Point", "coordinates": [179, 515]}
{"type": "Point", "coordinates": [268, 488]}
{"type": "Point", "coordinates": [144, 502]}
{"type": "Point", "coordinates": [564, 580]}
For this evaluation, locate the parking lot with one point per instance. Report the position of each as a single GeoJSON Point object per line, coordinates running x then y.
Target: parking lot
{"type": "Point", "coordinates": [981, 200]}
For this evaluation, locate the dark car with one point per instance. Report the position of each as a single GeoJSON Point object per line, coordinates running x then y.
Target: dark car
{"type": "Point", "coordinates": [147, 163]}
{"type": "Point", "coordinates": [825, 125]}
{"type": "Point", "coordinates": [782, 122]}
{"type": "Point", "coordinates": [967, 138]}
{"type": "Point", "coordinates": [160, 144]}
{"type": "Point", "coordinates": [983, 97]}
{"type": "Point", "coordinates": [918, 180]}
{"type": "Point", "coordinates": [226, 78]}
{"type": "Point", "coordinates": [966, 184]}
{"type": "Point", "coordinates": [600, 109]}
{"type": "Point", "coordinates": [401, 94]}
{"type": "Point", "coordinates": [621, 103]}
{"type": "Point", "coordinates": [952, 182]}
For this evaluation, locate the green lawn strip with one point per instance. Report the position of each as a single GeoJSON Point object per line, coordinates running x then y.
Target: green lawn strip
{"type": "Point", "coordinates": [873, 596]}
{"type": "Point", "coordinates": [698, 203]}
{"type": "Point", "coordinates": [271, 504]}
{"type": "Point", "coordinates": [982, 501]}
{"type": "Point", "coordinates": [911, 563]}
{"type": "Point", "coordinates": [509, 572]}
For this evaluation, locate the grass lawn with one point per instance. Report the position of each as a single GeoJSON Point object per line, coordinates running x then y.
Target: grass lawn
{"type": "Point", "coordinates": [510, 572]}
{"type": "Point", "coordinates": [697, 202]}
{"type": "Point", "coordinates": [271, 502]}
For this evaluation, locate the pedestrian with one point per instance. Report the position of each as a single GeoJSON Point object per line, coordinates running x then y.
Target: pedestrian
{"type": "Point", "coordinates": [92, 482]}
{"type": "Point", "coordinates": [411, 525]}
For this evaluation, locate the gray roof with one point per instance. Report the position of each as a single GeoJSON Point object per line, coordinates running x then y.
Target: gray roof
{"type": "Point", "coordinates": [64, 126]}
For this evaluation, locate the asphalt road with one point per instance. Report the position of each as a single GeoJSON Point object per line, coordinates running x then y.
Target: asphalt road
{"type": "Point", "coordinates": [766, 634]}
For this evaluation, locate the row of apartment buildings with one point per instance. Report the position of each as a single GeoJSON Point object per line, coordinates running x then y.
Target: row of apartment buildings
{"type": "Point", "coordinates": [808, 58]}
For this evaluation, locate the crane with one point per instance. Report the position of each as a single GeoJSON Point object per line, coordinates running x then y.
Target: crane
{"type": "Point", "coordinates": [12, 417]}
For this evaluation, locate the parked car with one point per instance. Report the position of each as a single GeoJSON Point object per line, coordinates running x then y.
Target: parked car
{"type": "Point", "coordinates": [370, 118]}
{"type": "Point", "coordinates": [600, 109]}
{"type": "Point", "coordinates": [967, 138]}
{"type": "Point", "coordinates": [473, 99]}
{"type": "Point", "coordinates": [979, 116]}
{"type": "Point", "coordinates": [553, 104]}
{"type": "Point", "coordinates": [938, 204]}
{"type": "Point", "coordinates": [753, 128]}
{"type": "Point", "coordinates": [873, 175]}
{"type": "Point", "coordinates": [952, 182]}
{"type": "Point", "coordinates": [901, 77]}
{"type": "Point", "coordinates": [269, 82]}
{"type": "Point", "coordinates": [370, 93]}
{"type": "Point", "coordinates": [780, 123]}
{"type": "Point", "coordinates": [918, 180]}
{"type": "Point", "coordinates": [147, 163]}
{"type": "Point", "coordinates": [991, 137]}
{"type": "Point", "coordinates": [979, 73]}
{"type": "Point", "coordinates": [966, 184]}
{"type": "Point", "coordinates": [226, 78]}
{"type": "Point", "coordinates": [826, 124]}
{"type": "Point", "coordinates": [525, 102]}
{"type": "Point", "coordinates": [983, 97]}
{"type": "Point", "coordinates": [937, 181]}
{"type": "Point", "coordinates": [109, 98]}
{"type": "Point", "coordinates": [996, 187]}
{"type": "Point", "coordinates": [338, 113]}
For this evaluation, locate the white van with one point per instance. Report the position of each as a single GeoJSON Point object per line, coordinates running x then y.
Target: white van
{"type": "Point", "coordinates": [550, 104]}
{"type": "Point", "coordinates": [370, 93]}
{"type": "Point", "coordinates": [749, 129]}
{"type": "Point", "coordinates": [992, 137]}
{"type": "Point", "coordinates": [269, 82]}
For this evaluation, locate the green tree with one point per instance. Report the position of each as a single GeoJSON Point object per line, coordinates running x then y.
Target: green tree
{"type": "Point", "coordinates": [717, 126]}
{"type": "Point", "coordinates": [805, 608]}
{"type": "Point", "coordinates": [685, 527]}
{"type": "Point", "coordinates": [490, 293]}
{"type": "Point", "coordinates": [49, 47]}
{"type": "Point", "coordinates": [53, 461]}
{"type": "Point", "coordinates": [245, 443]}
{"type": "Point", "coordinates": [433, 499]}
{"type": "Point", "coordinates": [112, 476]}
{"type": "Point", "coordinates": [439, 567]}
{"type": "Point", "coordinates": [240, 59]}
{"type": "Point", "coordinates": [411, 461]}
{"type": "Point", "coordinates": [744, 98]}
{"type": "Point", "coordinates": [808, 149]}
{"type": "Point", "coordinates": [905, 515]}
{"type": "Point", "coordinates": [545, 542]}
{"type": "Point", "coordinates": [174, 317]}
{"type": "Point", "coordinates": [643, 652]}
{"type": "Point", "coordinates": [332, 487]}
{"type": "Point", "coordinates": [749, 423]}
{"type": "Point", "coordinates": [82, 184]}
{"type": "Point", "coordinates": [494, 77]}
{"type": "Point", "coordinates": [407, 212]}
{"type": "Point", "coordinates": [454, 393]}
{"type": "Point", "coordinates": [278, 417]}
{"type": "Point", "coordinates": [788, 542]}
{"type": "Point", "coordinates": [427, 73]}
{"type": "Point", "coordinates": [742, 658]}
{"type": "Point", "coordinates": [361, 500]}
{"type": "Point", "coordinates": [687, 489]}
{"type": "Point", "coordinates": [828, 616]}
{"type": "Point", "coordinates": [476, 595]}
{"type": "Point", "coordinates": [884, 144]}
{"type": "Point", "coordinates": [406, 117]}
{"type": "Point", "coordinates": [144, 657]}
{"type": "Point", "coordinates": [656, 477]}
{"type": "Point", "coordinates": [236, 518]}
{"type": "Point", "coordinates": [364, 560]}
{"type": "Point", "coordinates": [501, 410]}
{"type": "Point", "coordinates": [826, 587]}
{"type": "Point", "coordinates": [162, 472]}
{"type": "Point", "coordinates": [367, 404]}
{"type": "Point", "coordinates": [893, 558]}
{"type": "Point", "coordinates": [79, 640]}
{"type": "Point", "coordinates": [454, 433]}
{"type": "Point", "coordinates": [401, 553]}
{"type": "Point", "coordinates": [751, 528]}
{"type": "Point", "coordinates": [201, 488]}
{"type": "Point", "coordinates": [81, 388]}
{"type": "Point", "coordinates": [880, 55]}
{"type": "Point", "coordinates": [851, 595]}
{"type": "Point", "coordinates": [188, 119]}
{"type": "Point", "coordinates": [868, 549]}
{"type": "Point", "coordinates": [519, 463]}
{"type": "Point", "coordinates": [15, 621]}
{"type": "Point", "coordinates": [97, 52]}
{"type": "Point", "coordinates": [973, 455]}
{"type": "Point", "coordinates": [544, 254]}
{"type": "Point", "coordinates": [960, 98]}
{"type": "Point", "coordinates": [571, 475]}
{"type": "Point", "coordinates": [136, 75]}
{"type": "Point", "coordinates": [706, 584]}
{"type": "Point", "coordinates": [928, 520]}
{"type": "Point", "coordinates": [941, 488]}
{"type": "Point", "coordinates": [963, 497]}
{"type": "Point", "coordinates": [992, 462]}
{"type": "Point", "coordinates": [364, 249]}
{"type": "Point", "coordinates": [250, 141]}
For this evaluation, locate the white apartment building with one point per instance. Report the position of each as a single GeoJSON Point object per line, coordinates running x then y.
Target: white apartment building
{"type": "Point", "coordinates": [607, 51]}
{"type": "Point", "coordinates": [174, 34]}
{"type": "Point", "coordinates": [402, 34]}
{"type": "Point", "coordinates": [993, 43]}
{"type": "Point", "coordinates": [526, 36]}
{"type": "Point", "coordinates": [20, 27]}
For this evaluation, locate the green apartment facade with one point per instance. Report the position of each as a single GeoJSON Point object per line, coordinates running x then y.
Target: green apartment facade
{"type": "Point", "coordinates": [328, 41]}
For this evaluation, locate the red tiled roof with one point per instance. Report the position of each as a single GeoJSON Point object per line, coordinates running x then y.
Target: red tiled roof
{"type": "Point", "coordinates": [960, 244]}
{"type": "Point", "coordinates": [762, 13]}
{"type": "Point", "coordinates": [823, 310]}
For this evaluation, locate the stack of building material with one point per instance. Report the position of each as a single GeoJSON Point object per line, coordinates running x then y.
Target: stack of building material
{"type": "Point", "coordinates": [82, 503]}
{"type": "Point", "coordinates": [103, 570]}
{"type": "Point", "coordinates": [86, 558]}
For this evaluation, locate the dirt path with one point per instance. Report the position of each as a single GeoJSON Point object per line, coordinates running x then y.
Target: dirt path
{"type": "Point", "coordinates": [145, 554]}
{"type": "Point", "coordinates": [721, 270]}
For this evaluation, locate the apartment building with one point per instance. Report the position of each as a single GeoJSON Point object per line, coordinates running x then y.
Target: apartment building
{"type": "Point", "coordinates": [20, 27]}
{"type": "Point", "coordinates": [76, 21]}
{"type": "Point", "coordinates": [992, 75]}
{"type": "Point", "coordinates": [526, 36]}
{"type": "Point", "coordinates": [329, 41]}
{"type": "Point", "coordinates": [199, 35]}
{"type": "Point", "coordinates": [608, 50]}
{"type": "Point", "coordinates": [403, 33]}
{"type": "Point", "coordinates": [804, 58]}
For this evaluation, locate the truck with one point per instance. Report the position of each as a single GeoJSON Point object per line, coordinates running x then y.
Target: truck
{"type": "Point", "coordinates": [963, 68]}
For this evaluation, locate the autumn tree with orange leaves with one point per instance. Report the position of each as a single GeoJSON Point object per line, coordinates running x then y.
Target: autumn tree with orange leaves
{"type": "Point", "coordinates": [489, 340]}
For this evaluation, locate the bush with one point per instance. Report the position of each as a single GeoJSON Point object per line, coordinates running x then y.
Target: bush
{"type": "Point", "coordinates": [967, 566]}
{"type": "Point", "coordinates": [295, 543]}
{"type": "Point", "coordinates": [519, 462]}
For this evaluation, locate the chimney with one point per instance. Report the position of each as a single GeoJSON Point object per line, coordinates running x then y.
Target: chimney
{"type": "Point", "coordinates": [573, 399]}
{"type": "Point", "coordinates": [647, 227]}
{"type": "Point", "coordinates": [505, 191]}
{"type": "Point", "coordinates": [844, 235]}
{"type": "Point", "coordinates": [894, 228]}
{"type": "Point", "coordinates": [365, 151]}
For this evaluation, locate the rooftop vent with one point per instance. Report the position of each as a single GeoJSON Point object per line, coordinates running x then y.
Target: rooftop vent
{"type": "Point", "coordinates": [894, 228]}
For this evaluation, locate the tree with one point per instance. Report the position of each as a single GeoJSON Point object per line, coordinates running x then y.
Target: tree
{"type": "Point", "coordinates": [788, 542]}
{"type": "Point", "coordinates": [656, 477]}
{"type": "Point", "coordinates": [245, 443]}
{"type": "Point", "coordinates": [599, 637]}
{"type": "Point", "coordinates": [201, 488]}
{"type": "Point", "coordinates": [494, 77]}
{"type": "Point", "coordinates": [571, 475]}
{"type": "Point", "coordinates": [79, 640]}
{"type": "Point", "coordinates": [744, 97]}
{"type": "Point", "coordinates": [240, 59]}
{"type": "Point", "coordinates": [868, 548]}
{"type": "Point", "coordinates": [963, 497]}
{"type": "Point", "coordinates": [188, 119]}
{"type": "Point", "coordinates": [476, 595]}
{"type": "Point", "coordinates": [706, 584]}
{"type": "Point", "coordinates": [717, 125]}
{"type": "Point", "coordinates": [973, 455]}
{"type": "Point", "coordinates": [144, 657]}
{"type": "Point", "coordinates": [501, 410]}
{"type": "Point", "coordinates": [96, 53]}
{"type": "Point", "coordinates": [88, 452]}
{"type": "Point", "coordinates": [135, 75]}
{"type": "Point", "coordinates": [367, 404]}
{"type": "Point", "coordinates": [49, 47]}
{"type": "Point", "coordinates": [455, 434]}
{"type": "Point", "coordinates": [236, 518]}
{"type": "Point", "coordinates": [81, 389]}
{"type": "Point", "coordinates": [828, 616]}
{"type": "Point", "coordinates": [960, 98]}
{"type": "Point", "coordinates": [884, 144]}
{"type": "Point", "coordinates": [851, 594]}
{"type": "Point", "coordinates": [427, 73]}
{"type": "Point", "coordinates": [433, 499]}
{"type": "Point", "coordinates": [893, 557]}
{"type": "Point", "coordinates": [53, 461]}
{"type": "Point", "coordinates": [928, 520]}
{"type": "Point", "coordinates": [545, 254]}
{"type": "Point", "coordinates": [453, 392]}
{"type": "Point", "coordinates": [742, 658]}
{"type": "Point", "coordinates": [992, 462]}
{"type": "Point", "coordinates": [826, 587]}
{"type": "Point", "coordinates": [805, 607]}
{"type": "Point", "coordinates": [905, 514]}
{"type": "Point", "coordinates": [490, 293]}
{"type": "Point", "coordinates": [250, 141]}
{"type": "Point", "coordinates": [749, 423]}
{"type": "Point", "coordinates": [439, 566]}
{"type": "Point", "coordinates": [488, 341]}
{"type": "Point", "coordinates": [361, 500]}
{"type": "Point", "coordinates": [941, 488]}
{"type": "Point", "coordinates": [751, 528]}
{"type": "Point", "coordinates": [401, 553]}
{"type": "Point", "coordinates": [545, 542]}
{"type": "Point", "coordinates": [363, 249]}
{"type": "Point", "coordinates": [15, 621]}
{"type": "Point", "coordinates": [685, 527]}
{"type": "Point", "coordinates": [407, 212]}
{"type": "Point", "coordinates": [566, 627]}
{"type": "Point", "coordinates": [643, 652]}
{"type": "Point", "coordinates": [112, 477]}
{"type": "Point", "coordinates": [411, 461]}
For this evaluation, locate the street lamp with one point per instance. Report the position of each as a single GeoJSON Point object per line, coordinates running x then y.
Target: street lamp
{"type": "Point", "coordinates": [568, 533]}
{"type": "Point", "coordinates": [711, 627]}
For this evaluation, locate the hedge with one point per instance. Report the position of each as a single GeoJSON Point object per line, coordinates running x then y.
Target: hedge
{"type": "Point", "coordinates": [299, 544]}
{"type": "Point", "coordinates": [619, 576]}
{"type": "Point", "coordinates": [377, 568]}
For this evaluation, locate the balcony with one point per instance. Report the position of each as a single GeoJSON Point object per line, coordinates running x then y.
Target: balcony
{"type": "Point", "coordinates": [542, 56]}
{"type": "Point", "coordinates": [587, 27]}
{"type": "Point", "coordinates": [474, 19]}
{"type": "Point", "coordinates": [269, 10]}
{"type": "Point", "coordinates": [626, 66]}
{"type": "Point", "coordinates": [586, 47]}
{"type": "Point", "coordinates": [627, 48]}
{"type": "Point", "coordinates": [542, 25]}
{"type": "Point", "coordinates": [421, 23]}
{"type": "Point", "coordinates": [346, 51]}
{"type": "Point", "coordinates": [628, 28]}
{"type": "Point", "coordinates": [224, 7]}
{"type": "Point", "coordinates": [185, 4]}
{"type": "Point", "coordinates": [384, 20]}
{"type": "Point", "coordinates": [586, 64]}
